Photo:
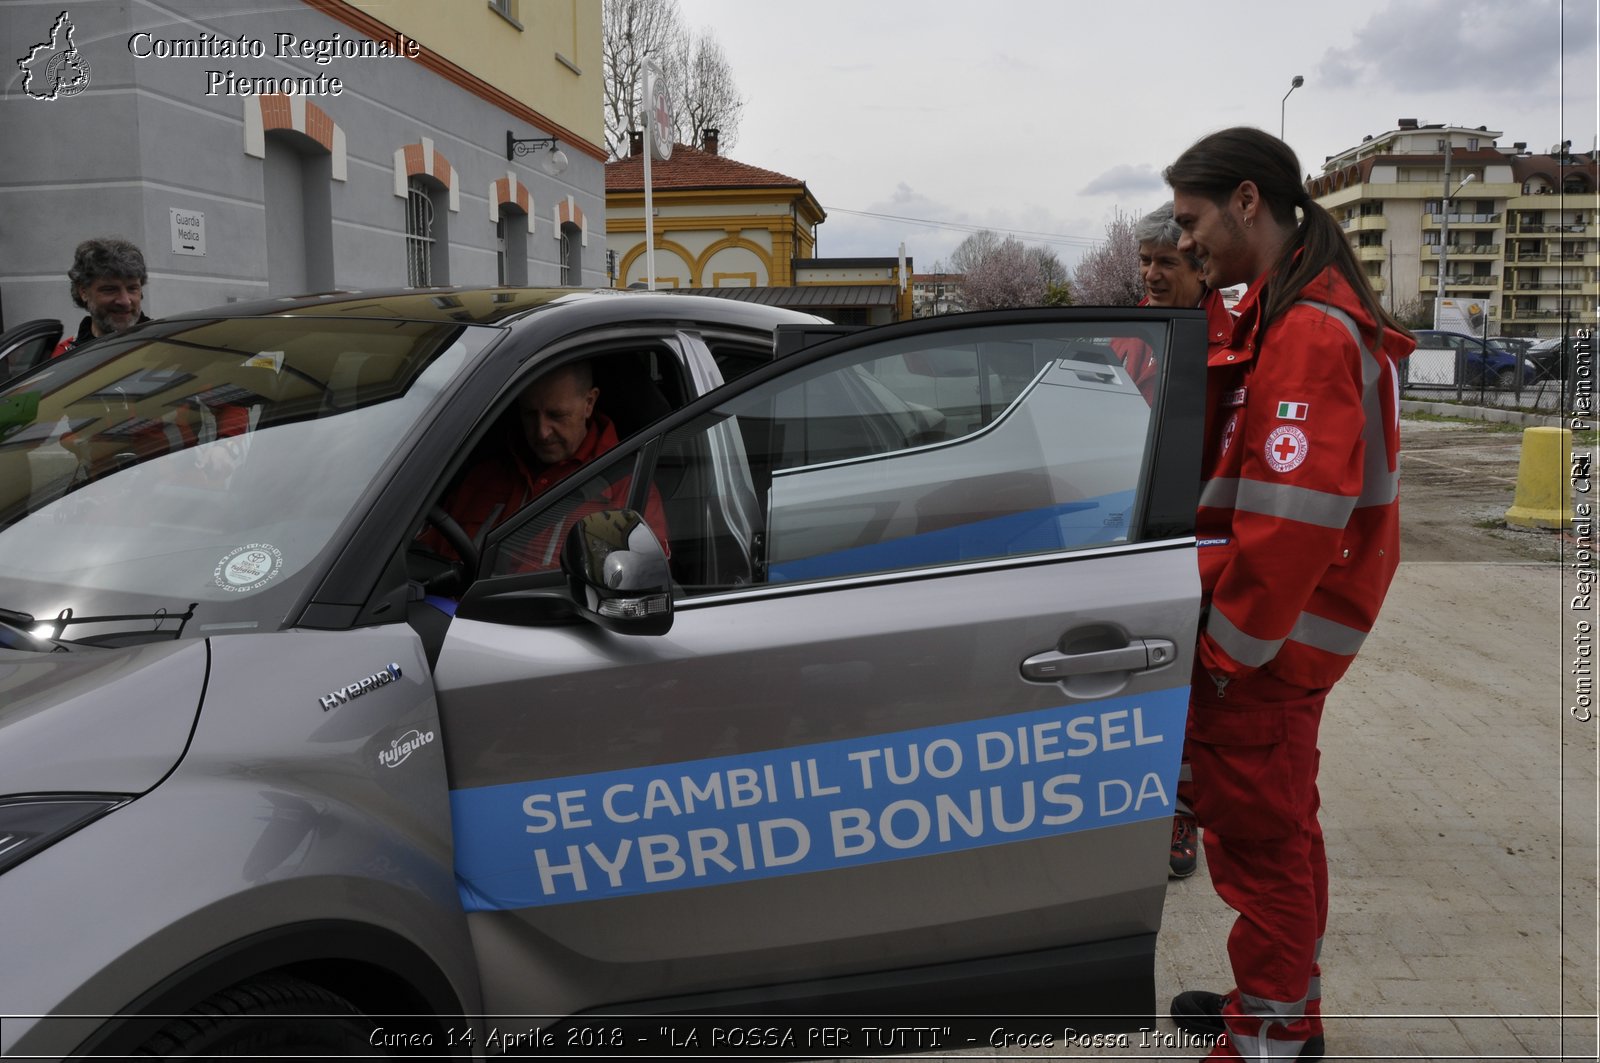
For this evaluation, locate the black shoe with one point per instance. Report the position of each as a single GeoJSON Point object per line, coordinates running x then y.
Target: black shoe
{"type": "Point", "coordinates": [1199, 1012]}
{"type": "Point", "coordinates": [1185, 836]}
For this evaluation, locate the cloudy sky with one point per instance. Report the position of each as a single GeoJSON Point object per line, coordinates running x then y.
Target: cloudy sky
{"type": "Point", "coordinates": [1045, 117]}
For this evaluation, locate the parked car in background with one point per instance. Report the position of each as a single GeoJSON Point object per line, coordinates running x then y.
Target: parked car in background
{"type": "Point", "coordinates": [26, 346]}
{"type": "Point", "coordinates": [884, 718]}
{"type": "Point", "coordinates": [1551, 358]}
{"type": "Point", "coordinates": [1511, 344]}
{"type": "Point", "coordinates": [1477, 363]}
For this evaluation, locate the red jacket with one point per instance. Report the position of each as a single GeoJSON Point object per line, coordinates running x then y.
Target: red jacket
{"type": "Point", "coordinates": [1140, 361]}
{"type": "Point", "coordinates": [498, 487]}
{"type": "Point", "coordinates": [1299, 519]}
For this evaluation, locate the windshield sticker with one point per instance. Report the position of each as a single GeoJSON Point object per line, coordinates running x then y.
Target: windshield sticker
{"type": "Point", "coordinates": [248, 568]}
{"type": "Point", "coordinates": [272, 360]}
{"type": "Point", "coordinates": [819, 807]}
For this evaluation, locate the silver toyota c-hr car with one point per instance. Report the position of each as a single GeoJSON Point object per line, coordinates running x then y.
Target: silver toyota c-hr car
{"type": "Point", "coordinates": [849, 684]}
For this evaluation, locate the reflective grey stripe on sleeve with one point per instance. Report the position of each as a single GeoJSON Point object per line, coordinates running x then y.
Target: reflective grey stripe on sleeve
{"type": "Point", "coordinates": [1324, 634]}
{"type": "Point", "coordinates": [1309, 629]}
{"type": "Point", "coordinates": [1379, 486]}
{"type": "Point", "coordinates": [1247, 650]}
{"type": "Point", "coordinates": [1303, 504]}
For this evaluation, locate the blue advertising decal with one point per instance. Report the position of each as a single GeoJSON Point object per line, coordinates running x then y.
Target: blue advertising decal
{"type": "Point", "coordinates": [819, 807]}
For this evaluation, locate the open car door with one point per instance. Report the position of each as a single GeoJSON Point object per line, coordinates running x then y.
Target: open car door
{"type": "Point", "coordinates": [911, 743]}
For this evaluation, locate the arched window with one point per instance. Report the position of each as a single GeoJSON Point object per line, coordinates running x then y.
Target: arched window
{"type": "Point", "coordinates": [511, 247]}
{"type": "Point", "coordinates": [571, 253]}
{"type": "Point", "coordinates": [419, 234]}
{"type": "Point", "coordinates": [297, 195]}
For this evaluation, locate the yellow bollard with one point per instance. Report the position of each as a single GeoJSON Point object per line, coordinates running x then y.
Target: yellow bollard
{"type": "Point", "coordinates": [1544, 481]}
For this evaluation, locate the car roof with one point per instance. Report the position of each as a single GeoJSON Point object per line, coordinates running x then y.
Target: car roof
{"type": "Point", "coordinates": [500, 305]}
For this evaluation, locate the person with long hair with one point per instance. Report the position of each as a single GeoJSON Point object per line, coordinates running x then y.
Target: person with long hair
{"type": "Point", "coordinates": [1299, 532]}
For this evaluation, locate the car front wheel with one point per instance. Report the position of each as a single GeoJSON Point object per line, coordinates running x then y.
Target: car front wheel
{"type": "Point", "coordinates": [275, 1015]}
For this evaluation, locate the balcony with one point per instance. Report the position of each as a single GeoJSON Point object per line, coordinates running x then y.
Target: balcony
{"type": "Point", "coordinates": [1430, 221]}
{"type": "Point", "coordinates": [1515, 285]}
{"type": "Point", "coordinates": [1371, 253]}
{"type": "Point", "coordinates": [1571, 258]}
{"type": "Point", "coordinates": [1462, 280]}
{"type": "Point", "coordinates": [1366, 223]}
{"type": "Point", "coordinates": [1468, 250]}
{"type": "Point", "coordinates": [1521, 314]}
{"type": "Point", "coordinates": [1569, 228]}
{"type": "Point", "coordinates": [1377, 283]}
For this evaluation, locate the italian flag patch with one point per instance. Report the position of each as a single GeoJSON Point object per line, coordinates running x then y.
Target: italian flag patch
{"type": "Point", "coordinates": [1293, 411]}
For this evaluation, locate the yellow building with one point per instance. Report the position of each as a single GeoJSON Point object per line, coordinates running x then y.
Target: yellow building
{"type": "Point", "coordinates": [724, 227]}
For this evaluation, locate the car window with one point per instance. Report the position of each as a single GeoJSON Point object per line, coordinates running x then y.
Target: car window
{"type": "Point", "coordinates": [207, 461]}
{"type": "Point", "coordinates": [638, 382]}
{"type": "Point", "coordinates": [1021, 440]}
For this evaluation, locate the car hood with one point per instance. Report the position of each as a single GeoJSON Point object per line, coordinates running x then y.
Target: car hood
{"type": "Point", "coordinates": [106, 720]}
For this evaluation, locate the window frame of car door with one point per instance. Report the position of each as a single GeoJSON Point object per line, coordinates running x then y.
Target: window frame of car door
{"type": "Point", "coordinates": [1169, 493]}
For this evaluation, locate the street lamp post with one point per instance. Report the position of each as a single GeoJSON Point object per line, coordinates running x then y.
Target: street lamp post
{"type": "Point", "coordinates": [1444, 245]}
{"type": "Point", "coordinates": [1284, 105]}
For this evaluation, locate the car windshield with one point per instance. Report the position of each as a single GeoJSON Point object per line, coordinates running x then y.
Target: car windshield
{"type": "Point", "coordinates": [204, 462]}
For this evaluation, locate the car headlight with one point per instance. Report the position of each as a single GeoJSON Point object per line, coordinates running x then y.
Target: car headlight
{"type": "Point", "coordinates": [31, 824]}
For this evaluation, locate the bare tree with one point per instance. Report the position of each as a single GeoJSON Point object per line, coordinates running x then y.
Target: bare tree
{"type": "Point", "coordinates": [635, 32]}
{"type": "Point", "coordinates": [1109, 275]}
{"type": "Point", "coordinates": [1414, 313]}
{"type": "Point", "coordinates": [997, 273]}
{"type": "Point", "coordinates": [704, 90]}
{"type": "Point", "coordinates": [693, 66]}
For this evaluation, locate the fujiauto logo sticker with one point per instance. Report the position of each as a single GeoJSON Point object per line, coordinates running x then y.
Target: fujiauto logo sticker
{"type": "Point", "coordinates": [248, 568]}
{"type": "Point", "coordinates": [819, 807]}
{"type": "Point", "coordinates": [400, 749]}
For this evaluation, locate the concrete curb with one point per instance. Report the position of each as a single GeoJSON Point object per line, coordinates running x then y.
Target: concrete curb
{"type": "Point", "coordinates": [1483, 413]}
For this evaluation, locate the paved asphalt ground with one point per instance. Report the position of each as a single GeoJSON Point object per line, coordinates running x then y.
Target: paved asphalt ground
{"type": "Point", "coordinates": [1459, 796]}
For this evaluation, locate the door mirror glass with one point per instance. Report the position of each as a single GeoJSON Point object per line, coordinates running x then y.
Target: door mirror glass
{"type": "Point", "coordinates": [617, 570]}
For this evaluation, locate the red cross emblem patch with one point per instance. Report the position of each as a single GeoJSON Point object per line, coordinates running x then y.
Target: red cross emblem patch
{"type": "Point", "coordinates": [1286, 448]}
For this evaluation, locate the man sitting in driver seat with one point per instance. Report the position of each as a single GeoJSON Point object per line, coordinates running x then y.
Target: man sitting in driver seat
{"type": "Point", "coordinates": [560, 430]}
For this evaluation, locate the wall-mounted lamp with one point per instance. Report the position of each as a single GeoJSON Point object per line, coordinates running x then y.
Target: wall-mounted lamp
{"type": "Point", "coordinates": [554, 161]}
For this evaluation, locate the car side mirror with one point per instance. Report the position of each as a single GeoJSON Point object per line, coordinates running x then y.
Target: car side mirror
{"type": "Point", "coordinates": [617, 570]}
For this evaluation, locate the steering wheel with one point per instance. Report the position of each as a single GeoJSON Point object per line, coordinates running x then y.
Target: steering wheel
{"type": "Point", "coordinates": [456, 536]}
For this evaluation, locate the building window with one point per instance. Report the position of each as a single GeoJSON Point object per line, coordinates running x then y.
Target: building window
{"type": "Point", "coordinates": [571, 254]}
{"type": "Point", "coordinates": [297, 175]}
{"type": "Point", "coordinates": [419, 234]}
{"type": "Point", "coordinates": [511, 246]}
{"type": "Point", "coordinates": [506, 9]}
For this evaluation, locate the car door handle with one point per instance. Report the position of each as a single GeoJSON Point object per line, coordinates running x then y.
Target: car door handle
{"type": "Point", "coordinates": [1140, 655]}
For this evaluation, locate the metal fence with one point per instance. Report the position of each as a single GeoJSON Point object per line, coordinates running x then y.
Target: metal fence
{"type": "Point", "coordinates": [1448, 374]}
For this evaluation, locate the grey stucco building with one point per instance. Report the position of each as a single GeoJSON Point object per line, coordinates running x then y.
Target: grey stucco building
{"type": "Point", "coordinates": [254, 150]}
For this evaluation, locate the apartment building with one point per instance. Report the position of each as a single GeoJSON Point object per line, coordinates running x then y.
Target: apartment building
{"type": "Point", "coordinates": [1444, 210]}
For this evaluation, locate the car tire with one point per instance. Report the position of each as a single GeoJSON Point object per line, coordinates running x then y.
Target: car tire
{"type": "Point", "coordinates": [253, 1019]}
{"type": "Point", "coordinates": [1505, 378]}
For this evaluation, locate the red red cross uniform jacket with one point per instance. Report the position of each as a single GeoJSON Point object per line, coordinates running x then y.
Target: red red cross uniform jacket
{"type": "Point", "coordinates": [497, 488]}
{"type": "Point", "coordinates": [1299, 518]}
{"type": "Point", "coordinates": [1140, 361]}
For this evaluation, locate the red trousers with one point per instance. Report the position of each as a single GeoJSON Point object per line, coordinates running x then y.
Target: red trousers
{"type": "Point", "coordinates": [1253, 754]}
